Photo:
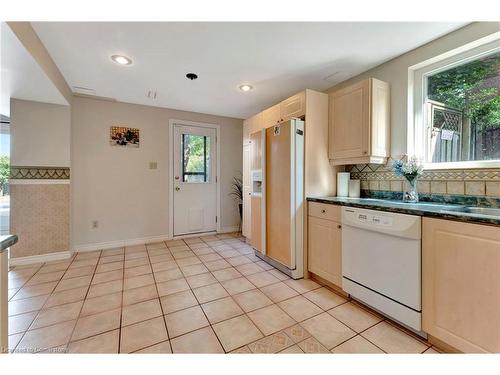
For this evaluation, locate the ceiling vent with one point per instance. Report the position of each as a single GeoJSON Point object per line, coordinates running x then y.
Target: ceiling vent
{"type": "Point", "coordinates": [331, 77]}
{"type": "Point", "coordinates": [152, 95]}
{"type": "Point", "coordinates": [83, 91]}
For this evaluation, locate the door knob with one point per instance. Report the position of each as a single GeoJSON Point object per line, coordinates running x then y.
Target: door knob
{"type": "Point", "coordinates": [177, 188]}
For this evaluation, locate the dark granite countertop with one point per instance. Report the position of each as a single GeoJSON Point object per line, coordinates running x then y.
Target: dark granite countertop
{"type": "Point", "coordinates": [7, 241]}
{"type": "Point", "coordinates": [428, 209]}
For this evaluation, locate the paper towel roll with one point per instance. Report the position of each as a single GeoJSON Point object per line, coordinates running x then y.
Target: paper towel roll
{"type": "Point", "coordinates": [354, 188]}
{"type": "Point", "coordinates": [343, 184]}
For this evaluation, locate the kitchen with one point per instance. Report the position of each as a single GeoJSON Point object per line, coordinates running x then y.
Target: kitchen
{"type": "Point", "coordinates": [167, 199]}
{"type": "Point", "coordinates": [411, 261]}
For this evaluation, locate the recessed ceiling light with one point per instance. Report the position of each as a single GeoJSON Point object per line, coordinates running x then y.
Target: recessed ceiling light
{"type": "Point", "coordinates": [122, 60]}
{"type": "Point", "coordinates": [246, 87]}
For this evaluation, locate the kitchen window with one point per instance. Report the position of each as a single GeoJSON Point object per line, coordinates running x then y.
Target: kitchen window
{"type": "Point", "coordinates": [457, 110]}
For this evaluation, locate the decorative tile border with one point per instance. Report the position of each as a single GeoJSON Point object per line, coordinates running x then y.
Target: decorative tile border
{"type": "Point", "coordinates": [447, 175]}
{"type": "Point", "coordinates": [39, 173]}
{"type": "Point", "coordinates": [457, 182]}
{"type": "Point", "coordinates": [437, 198]}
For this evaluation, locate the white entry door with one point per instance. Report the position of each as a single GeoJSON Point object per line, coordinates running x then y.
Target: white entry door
{"type": "Point", "coordinates": [195, 180]}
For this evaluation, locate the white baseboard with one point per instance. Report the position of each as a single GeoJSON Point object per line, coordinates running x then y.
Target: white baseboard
{"type": "Point", "coordinates": [143, 240]}
{"type": "Point", "coordinates": [121, 243]}
{"type": "Point", "coordinates": [232, 229]}
{"type": "Point", "coordinates": [61, 255]}
{"type": "Point", "coordinates": [183, 236]}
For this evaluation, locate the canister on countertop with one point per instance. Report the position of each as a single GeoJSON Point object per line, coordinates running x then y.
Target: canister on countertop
{"type": "Point", "coordinates": [343, 184]}
{"type": "Point", "coordinates": [354, 188]}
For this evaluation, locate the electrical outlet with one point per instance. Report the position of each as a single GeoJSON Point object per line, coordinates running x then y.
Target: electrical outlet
{"type": "Point", "coordinates": [95, 224]}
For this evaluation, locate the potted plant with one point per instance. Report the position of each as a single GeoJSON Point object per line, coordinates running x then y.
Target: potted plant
{"type": "Point", "coordinates": [237, 193]}
{"type": "Point", "coordinates": [411, 170]}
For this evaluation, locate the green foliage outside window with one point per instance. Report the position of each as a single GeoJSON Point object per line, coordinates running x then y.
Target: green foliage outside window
{"type": "Point", "coordinates": [4, 171]}
{"type": "Point", "coordinates": [472, 88]}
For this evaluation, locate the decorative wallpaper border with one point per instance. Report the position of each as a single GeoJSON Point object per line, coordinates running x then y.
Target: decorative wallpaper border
{"type": "Point", "coordinates": [39, 173]}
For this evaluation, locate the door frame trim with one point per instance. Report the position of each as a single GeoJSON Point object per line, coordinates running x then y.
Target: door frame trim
{"type": "Point", "coordinates": [171, 124]}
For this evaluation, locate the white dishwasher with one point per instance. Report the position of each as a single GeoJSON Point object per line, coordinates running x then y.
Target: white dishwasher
{"type": "Point", "coordinates": [381, 262]}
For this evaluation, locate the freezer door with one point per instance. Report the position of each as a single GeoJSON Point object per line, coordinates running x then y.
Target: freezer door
{"type": "Point", "coordinates": [284, 195]}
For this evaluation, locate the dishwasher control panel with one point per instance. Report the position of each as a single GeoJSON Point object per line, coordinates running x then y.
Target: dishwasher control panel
{"type": "Point", "coordinates": [369, 218]}
{"type": "Point", "coordinates": [397, 224]}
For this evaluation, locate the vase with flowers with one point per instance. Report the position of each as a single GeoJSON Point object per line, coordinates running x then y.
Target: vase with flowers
{"type": "Point", "coordinates": [411, 170]}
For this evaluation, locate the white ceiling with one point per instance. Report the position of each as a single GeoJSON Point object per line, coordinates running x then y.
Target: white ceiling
{"type": "Point", "coordinates": [278, 59]}
{"type": "Point", "coordinates": [21, 76]}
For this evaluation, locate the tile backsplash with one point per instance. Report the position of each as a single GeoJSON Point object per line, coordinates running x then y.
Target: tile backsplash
{"type": "Point", "coordinates": [460, 182]}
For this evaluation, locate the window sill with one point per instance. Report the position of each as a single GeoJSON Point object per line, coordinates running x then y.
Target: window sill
{"type": "Point", "coordinates": [479, 164]}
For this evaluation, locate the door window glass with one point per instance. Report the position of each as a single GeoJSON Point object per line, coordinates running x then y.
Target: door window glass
{"type": "Point", "coordinates": [195, 158]}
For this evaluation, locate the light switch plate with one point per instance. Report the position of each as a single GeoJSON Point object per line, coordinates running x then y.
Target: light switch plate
{"type": "Point", "coordinates": [153, 165]}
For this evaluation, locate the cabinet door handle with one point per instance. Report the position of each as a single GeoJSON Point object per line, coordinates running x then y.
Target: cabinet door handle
{"type": "Point", "coordinates": [323, 211]}
{"type": "Point", "coordinates": [365, 152]}
{"type": "Point", "coordinates": [339, 226]}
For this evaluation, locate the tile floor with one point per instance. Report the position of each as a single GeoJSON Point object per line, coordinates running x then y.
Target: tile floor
{"type": "Point", "coordinates": [199, 295]}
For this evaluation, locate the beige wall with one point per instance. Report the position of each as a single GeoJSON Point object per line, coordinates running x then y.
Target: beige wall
{"type": "Point", "coordinates": [115, 186]}
{"type": "Point", "coordinates": [395, 72]}
{"type": "Point", "coordinates": [40, 134]}
{"type": "Point", "coordinates": [40, 210]}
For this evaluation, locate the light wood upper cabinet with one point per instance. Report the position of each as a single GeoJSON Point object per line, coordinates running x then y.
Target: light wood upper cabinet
{"type": "Point", "coordinates": [293, 107]}
{"type": "Point", "coordinates": [271, 116]}
{"type": "Point", "coordinates": [246, 131]}
{"type": "Point", "coordinates": [256, 123]}
{"type": "Point", "coordinates": [359, 123]}
{"type": "Point", "coordinates": [461, 284]}
{"type": "Point", "coordinates": [325, 242]}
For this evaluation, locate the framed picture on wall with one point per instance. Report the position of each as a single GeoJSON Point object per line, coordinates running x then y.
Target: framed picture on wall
{"type": "Point", "coordinates": [123, 136]}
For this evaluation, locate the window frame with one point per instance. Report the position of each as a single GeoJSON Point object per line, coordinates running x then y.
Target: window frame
{"type": "Point", "coordinates": [418, 141]}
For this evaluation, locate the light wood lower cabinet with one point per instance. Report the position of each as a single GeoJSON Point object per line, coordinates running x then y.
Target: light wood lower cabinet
{"type": "Point", "coordinates": [325, 243]}
{"type": "Point", "coordinates": [461, 284]}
